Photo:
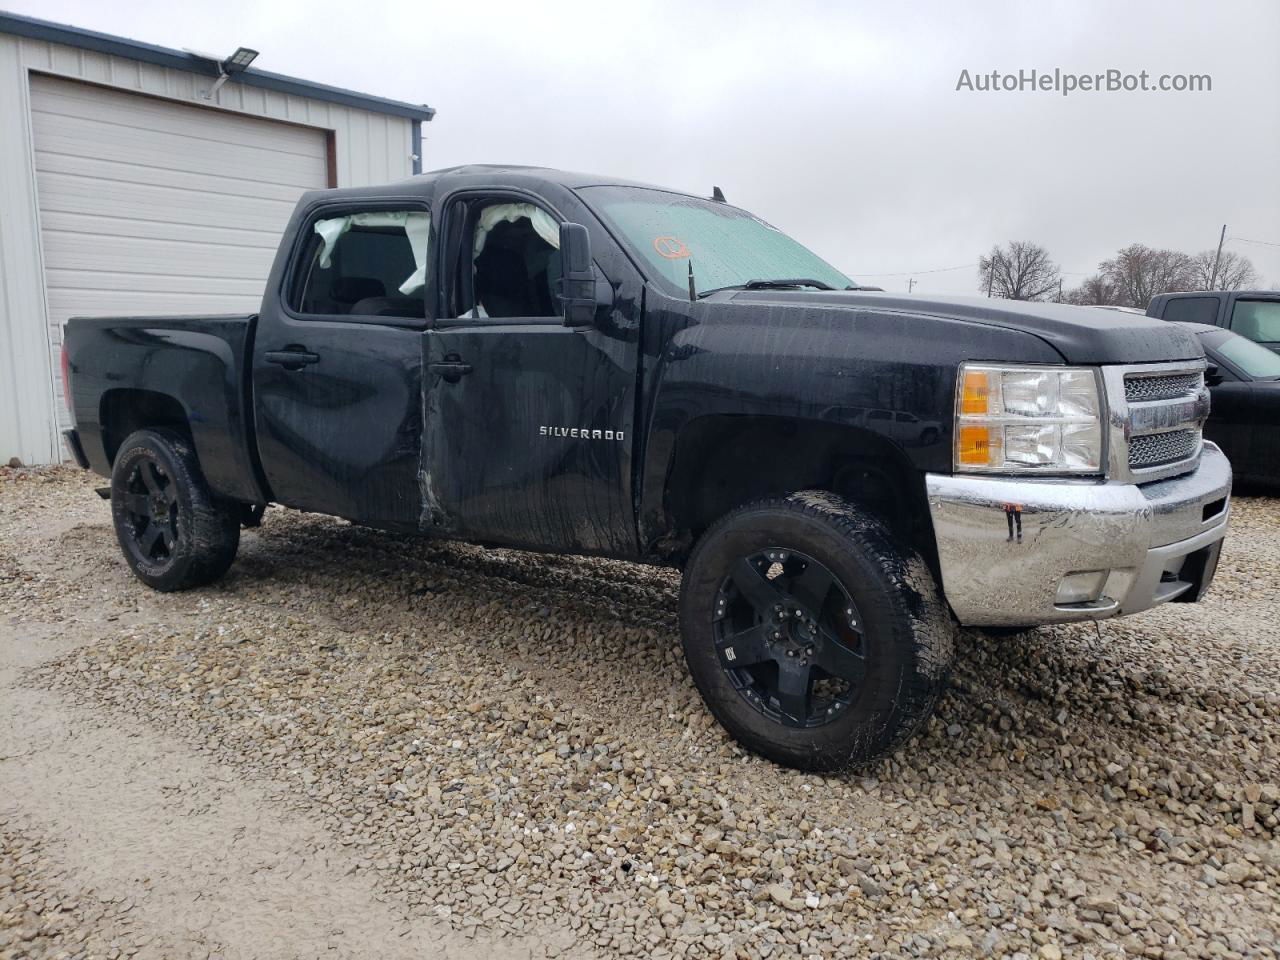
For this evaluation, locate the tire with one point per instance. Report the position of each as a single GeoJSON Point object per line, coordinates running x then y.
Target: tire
{"type": "Point", "coordinates": [856, 675]}
{"type": "Point", "coordinates": [173, 532]}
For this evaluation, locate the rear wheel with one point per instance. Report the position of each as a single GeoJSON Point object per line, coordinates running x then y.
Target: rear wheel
{"type": "Point", "coordinates": [174, 534]}
{"type": "Point", "coordinates": [814, 638]}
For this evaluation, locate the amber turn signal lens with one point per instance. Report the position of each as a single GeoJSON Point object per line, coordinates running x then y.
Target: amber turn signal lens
{"type": "Point", "coordinates": [976, 395]}
{"type": "Point", "coordinates": [975, 446]}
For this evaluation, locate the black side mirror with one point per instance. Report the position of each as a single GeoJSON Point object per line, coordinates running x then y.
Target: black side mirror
{"type": "Point", "coordinates": [1212, 375]}
{"type": "Point", "coordinates": [578, 279]}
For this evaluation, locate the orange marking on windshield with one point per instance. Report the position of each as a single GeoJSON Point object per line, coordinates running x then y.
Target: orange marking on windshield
{"type": "Point", "coordinates": [670, 247]}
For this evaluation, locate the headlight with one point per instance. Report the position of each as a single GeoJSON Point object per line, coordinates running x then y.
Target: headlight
{"type": "Point", "coordinates": [1027, 420]}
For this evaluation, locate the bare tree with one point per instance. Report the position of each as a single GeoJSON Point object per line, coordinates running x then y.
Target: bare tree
{"type": "Point", "coordinates": [1235, 272]}
{"type": "Point", "coordinates": [1137, 273]}
{"type": "Point", "coordinates": [1094, 291]}
{"type": "Point", "coordinates": [1020, 271]}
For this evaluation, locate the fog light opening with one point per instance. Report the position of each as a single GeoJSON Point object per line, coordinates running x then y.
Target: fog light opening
{"type": "Point", "coordinates": [1081, 586]}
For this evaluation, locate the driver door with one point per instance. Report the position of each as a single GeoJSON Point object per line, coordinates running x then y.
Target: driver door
{"type": "Point", "coordinates": [529, 426]}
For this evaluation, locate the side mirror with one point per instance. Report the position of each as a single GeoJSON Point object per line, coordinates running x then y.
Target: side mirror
{"type": "Point", "coordinates": [1213, 376]}
{"type": "Point", "coordinates": [578, 278]}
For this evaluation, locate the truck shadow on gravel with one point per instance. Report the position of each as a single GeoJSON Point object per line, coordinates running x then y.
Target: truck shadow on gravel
{"type": "Point", "coordinates": [1095, 692]}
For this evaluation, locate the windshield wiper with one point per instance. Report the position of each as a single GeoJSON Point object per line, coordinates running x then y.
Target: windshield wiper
{"type": "Point", "coordinates": [770, 285]}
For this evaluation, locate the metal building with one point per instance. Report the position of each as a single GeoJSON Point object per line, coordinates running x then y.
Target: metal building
{"type": "Point", "coordinates": [133, 180]}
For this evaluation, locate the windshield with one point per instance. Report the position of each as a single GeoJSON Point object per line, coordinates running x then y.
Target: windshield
{"type": "Point", "coordinates": [1256, 361]}
{"type": "Point", "coordinates": [726, 246]}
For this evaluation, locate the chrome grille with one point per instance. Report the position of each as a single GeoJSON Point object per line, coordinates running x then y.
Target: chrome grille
{"type": "Point", "coordinates": [1156, 449]}
{"type": "Point", "coordinates": [1138, 389]}
{"type": "Point", "coordinates": [1155, 414]}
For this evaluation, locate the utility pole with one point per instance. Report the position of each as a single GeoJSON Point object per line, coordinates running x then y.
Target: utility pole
{"type": "Point", "coordinates": [1059, 289]}
{"type": "Point", "coordinates": [911, 285]}
{"type": "Point", "coordinates": [1213, 278]}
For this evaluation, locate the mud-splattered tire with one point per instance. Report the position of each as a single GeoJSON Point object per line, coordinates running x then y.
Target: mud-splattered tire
{"type": "Point", "coordinates": [174, 534]}
{"type": "Point", "coordinates": [813, 675]}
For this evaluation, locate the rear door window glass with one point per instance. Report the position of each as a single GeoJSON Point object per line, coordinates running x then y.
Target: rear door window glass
{"type": "Point", "coordinates": [369, 264]}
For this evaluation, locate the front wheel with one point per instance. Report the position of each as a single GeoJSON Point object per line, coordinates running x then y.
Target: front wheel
{"type": "Point", "coordinates": [814, 638]}
{"type": "Point", "coordinates": [172, 530]}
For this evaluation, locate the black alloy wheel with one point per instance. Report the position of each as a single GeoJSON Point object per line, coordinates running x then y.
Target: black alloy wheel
{"type": "Point", "coordinates": [788, 635]}
{"type": "Point", "coordinates": [150, 504]}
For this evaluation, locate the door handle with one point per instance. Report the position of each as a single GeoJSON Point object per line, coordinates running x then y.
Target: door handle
{"type": "Point", "coordinates": [451, 368]}
{"type": "Point", "coordinates": [291, 358]}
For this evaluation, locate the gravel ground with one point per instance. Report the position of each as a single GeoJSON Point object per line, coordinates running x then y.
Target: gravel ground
{"type": "Point", "coordinates": [508, 746]}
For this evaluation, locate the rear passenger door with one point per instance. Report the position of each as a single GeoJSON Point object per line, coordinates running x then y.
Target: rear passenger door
{"type": "Point", "coordinates": [337, 364]}
{"type": "Point", "coordinates": [529, 423]}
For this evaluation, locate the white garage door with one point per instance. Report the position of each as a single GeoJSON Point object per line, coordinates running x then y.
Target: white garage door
{"type": "Point", "coordinates": [153, 207]}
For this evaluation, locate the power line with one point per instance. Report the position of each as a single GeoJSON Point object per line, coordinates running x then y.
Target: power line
{"type": "Point", "coordinates": [1265, 243]}
{"type": "Point", "coordinates": [965, 266]}
{"type": "Point", "coordinates": [908, 273]}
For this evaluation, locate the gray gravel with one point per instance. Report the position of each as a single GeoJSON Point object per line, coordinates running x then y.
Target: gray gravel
{"type": "Point", "coordinates": [510, 743]}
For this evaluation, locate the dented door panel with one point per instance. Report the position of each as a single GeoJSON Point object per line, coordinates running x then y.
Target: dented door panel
{"type": "Point", "coordinates": [342, 435]}
{"type": "Point", "coordinates": [532, 447]}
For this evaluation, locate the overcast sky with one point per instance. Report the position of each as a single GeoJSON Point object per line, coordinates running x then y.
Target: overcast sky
{"type": "Point", "coordinates": [841, 126]}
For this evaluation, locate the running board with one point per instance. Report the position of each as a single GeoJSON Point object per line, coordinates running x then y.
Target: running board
{"type": "Point", "coordinates": [103, 492]}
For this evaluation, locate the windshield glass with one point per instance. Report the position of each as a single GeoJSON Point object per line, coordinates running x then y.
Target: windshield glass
{"type": "Point", "coordinates": [1256, 361]}
{"type": "Point", "coordinates": [727, 246]}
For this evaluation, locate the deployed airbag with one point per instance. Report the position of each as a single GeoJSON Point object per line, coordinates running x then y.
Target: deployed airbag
{"type": "Point", "coordinates": [416, 225]}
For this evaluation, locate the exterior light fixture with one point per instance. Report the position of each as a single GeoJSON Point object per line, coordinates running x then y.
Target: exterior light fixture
{"type": "Point", "coordinates": [238, 62]}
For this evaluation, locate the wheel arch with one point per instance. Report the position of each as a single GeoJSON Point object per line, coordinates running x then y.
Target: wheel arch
{"type": "Point", "coordinates": [723, 461]}
{"type": "Point", "coordinates": [218, 453]}
{"type": "Point", "coordinates": [124, 410]}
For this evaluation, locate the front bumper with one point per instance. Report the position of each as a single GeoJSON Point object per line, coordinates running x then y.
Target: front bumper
{"type": "Point", "coordinates": [1006, 545]}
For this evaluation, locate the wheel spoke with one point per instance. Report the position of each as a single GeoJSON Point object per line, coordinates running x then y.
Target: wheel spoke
{"type": "Point", "coordinates": [149, 477]}
{"type": "Point", "coordinates": [794, 681]}
{"type": "Point", "coordinates": [149, 537]}
{"type": "Point", "coordinates": [139, 504]}
{"type": "Point", "coordinates": [166, 536]}
{"type": "Point", "coordinates": [751, 583]}
{"type": "Point", "coordinates": [171, 493]}
{"type": "Point", "coordinates": [811, 588]}
{"type": "Point", "coordinates": [838, 658]}
{"type": "Point", "coordinates": [745, 648]}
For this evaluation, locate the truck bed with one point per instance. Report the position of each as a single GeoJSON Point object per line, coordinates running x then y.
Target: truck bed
{"type": "Point", "coordinates": [179, 369]}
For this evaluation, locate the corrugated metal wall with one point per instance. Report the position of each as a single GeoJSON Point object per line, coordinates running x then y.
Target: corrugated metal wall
{"type": "Point", "coordinates": [368, 148]}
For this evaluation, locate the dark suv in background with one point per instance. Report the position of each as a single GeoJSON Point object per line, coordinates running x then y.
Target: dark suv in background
{"type": "Point", "coordinates": [1253, 314]}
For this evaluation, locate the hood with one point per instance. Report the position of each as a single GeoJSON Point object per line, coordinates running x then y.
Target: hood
{"type": "Point", "coordinates": [1085, 335]}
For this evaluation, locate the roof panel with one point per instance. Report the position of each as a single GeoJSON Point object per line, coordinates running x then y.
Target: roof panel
{"type": "Point", "coordinates": [35, 29]}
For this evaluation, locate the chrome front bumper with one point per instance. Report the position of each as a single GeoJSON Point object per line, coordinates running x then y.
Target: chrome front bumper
{"type": "Point", "coordinates": [1006, 545]}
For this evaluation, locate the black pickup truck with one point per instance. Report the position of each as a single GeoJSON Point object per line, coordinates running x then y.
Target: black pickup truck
{"type": "Point", "coordinates": [570, 363]}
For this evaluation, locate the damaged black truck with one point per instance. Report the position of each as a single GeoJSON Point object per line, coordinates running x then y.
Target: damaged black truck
{"type": "Point", "coordinates": [568, 363]}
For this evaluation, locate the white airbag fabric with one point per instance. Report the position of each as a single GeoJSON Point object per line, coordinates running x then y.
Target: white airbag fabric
{"type": "Point", "coordinates": [416, 225]}
{"type": "Point", "coordinates": [543, 224]}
